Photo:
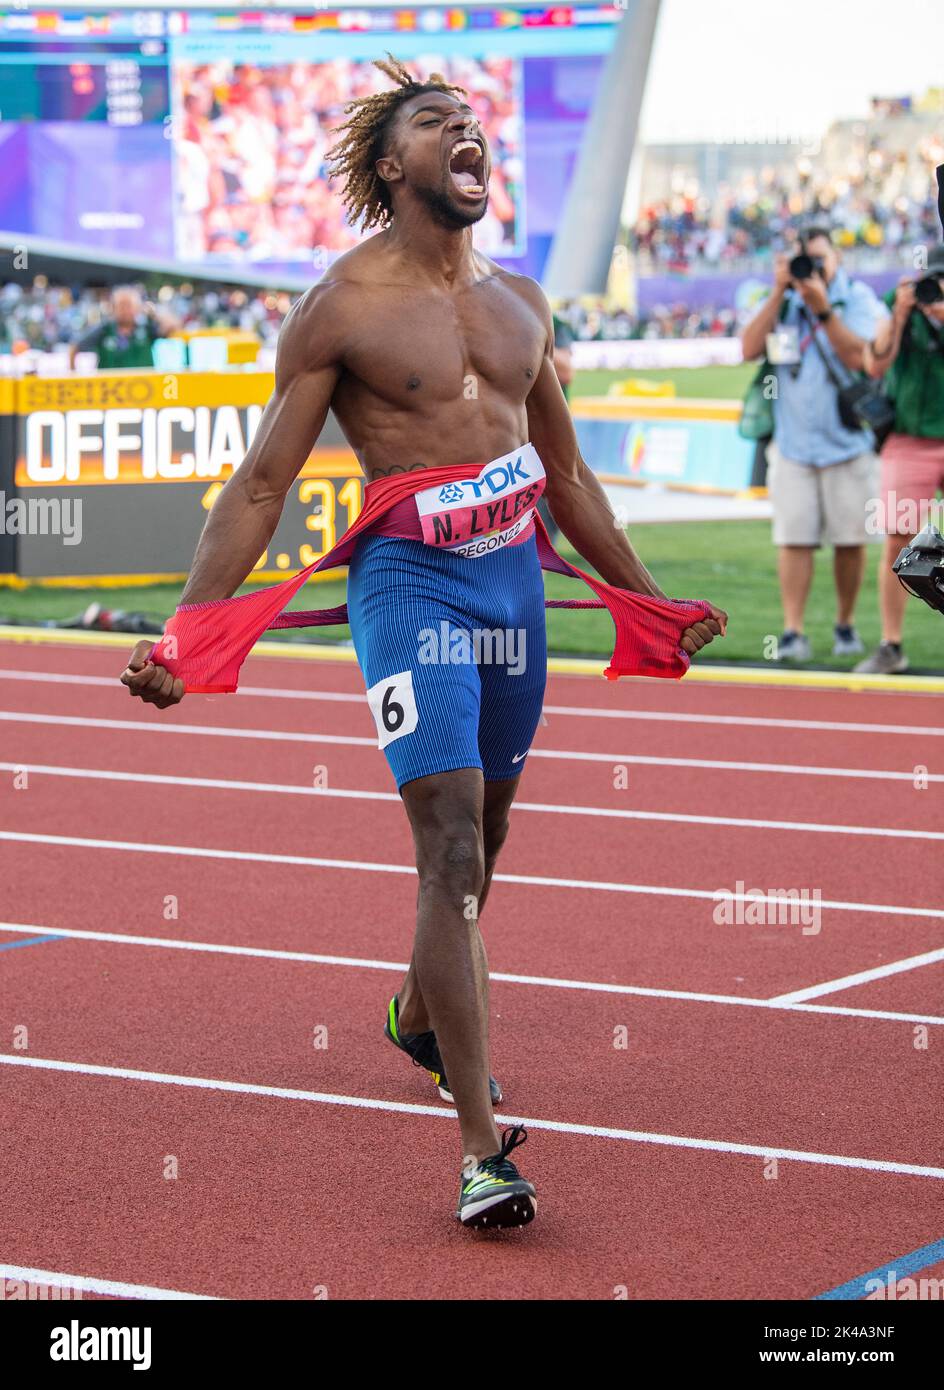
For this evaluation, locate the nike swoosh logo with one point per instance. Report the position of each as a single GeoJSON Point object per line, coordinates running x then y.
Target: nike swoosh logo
{"type": "Point", "coordinates": [519, 758]}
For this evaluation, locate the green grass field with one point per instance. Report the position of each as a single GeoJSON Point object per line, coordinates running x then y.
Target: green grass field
{"type": "Point", "coordinates": [705, 383]}
{"type": "Point", "coordinates": [732, 563]}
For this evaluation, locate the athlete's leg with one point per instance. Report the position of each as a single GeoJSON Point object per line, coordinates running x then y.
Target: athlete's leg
{"type": "Point", "coordinates": [413, 1014]}
{"type": "Point", "coordinates": [445, 813]}
{"type": "Point", "coordinates": [396, 589]}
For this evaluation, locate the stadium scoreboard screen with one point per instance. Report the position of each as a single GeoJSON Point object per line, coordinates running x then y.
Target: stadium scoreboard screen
{"type": "Point", "coordinates": [201, 136]}
{"type": "Point", "coordinates": [116, 472]}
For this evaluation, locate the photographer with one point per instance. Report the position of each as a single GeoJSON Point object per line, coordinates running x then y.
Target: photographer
{"type": "Point", "coordinates": [816, 327]}
{"type": "Point", "coordinates": [909, 348]}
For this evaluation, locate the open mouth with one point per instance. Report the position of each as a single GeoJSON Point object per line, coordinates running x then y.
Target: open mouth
{"type": "Point", "coordinates": [467, 168]}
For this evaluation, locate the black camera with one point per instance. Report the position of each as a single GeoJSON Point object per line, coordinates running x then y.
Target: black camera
{"type": "Point", "coordinates": [920, 567]}
{"type": "Point", "coordinates": [804, 266]}
{"type": "Point", "coordinates": [928, 290]}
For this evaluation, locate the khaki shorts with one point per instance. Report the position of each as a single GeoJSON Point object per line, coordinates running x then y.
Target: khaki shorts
{"type": "Point", "coordinates": [812, 505]}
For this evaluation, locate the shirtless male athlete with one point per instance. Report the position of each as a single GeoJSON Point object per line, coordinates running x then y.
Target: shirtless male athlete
{"type": "Point", "coordinates": [431, 354]}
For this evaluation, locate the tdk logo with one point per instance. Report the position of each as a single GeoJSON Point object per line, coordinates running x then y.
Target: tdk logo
{"type": "Point", "coordinates": [499, 478]}
{"type": "Point", "coordinates": [75, 1343]}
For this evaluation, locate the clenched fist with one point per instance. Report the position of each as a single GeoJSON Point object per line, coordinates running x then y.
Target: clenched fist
{"type": "Point", "coordinates": [700, 634]}
{"type": "Point", "coordinates": [152, 684]}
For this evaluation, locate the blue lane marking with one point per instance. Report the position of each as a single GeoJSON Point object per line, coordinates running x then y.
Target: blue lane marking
{"type": "Point", "coordinates": [30, 941]}
{"type": "Point", "coordinates": [902, 1267]}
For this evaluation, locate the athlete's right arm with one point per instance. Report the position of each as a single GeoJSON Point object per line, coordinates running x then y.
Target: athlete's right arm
{"type": "Point", "coordinates": [246, 512]}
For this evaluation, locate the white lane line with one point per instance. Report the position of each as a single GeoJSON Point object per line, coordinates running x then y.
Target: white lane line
{"type": "Point", "coordinates": [139, 726]}
{"type": "Point", "coordinates": [576, 711]}
{"type": "Point", "coordinates": [543, 807]}
{"type": "Point", "coordinates": [861, 977]}
{"type": "Point", "coordinates": [111, 682]}
{"type": "Point", "coordinates": [729, 765]}
{"type": "Point", "coordinates": [738, 721]}
{"type": "Point", "coordinates": [678, 1141]}
{"type": "Point", "coordinates": [170, 943]}
{"type": "Point", "coordinates": [567, 755]}
{"type": "Point", "coordinates": [86, 1283]}
{"type": "Point", "coordinates": [535, 880]}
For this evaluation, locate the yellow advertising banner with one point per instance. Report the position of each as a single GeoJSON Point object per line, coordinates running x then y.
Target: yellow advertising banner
{"type": "Point", "coordinates": [145, 427]}
{"type": "Point", "coordinates": [106, 445]}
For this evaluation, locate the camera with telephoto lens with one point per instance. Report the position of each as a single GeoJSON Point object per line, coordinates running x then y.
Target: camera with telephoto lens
{"type": "Point", "coordinates": [928, 290]}
{"type": "Point", "coordinates": [920, 567]}
{"type": "Point", "coordinates": [804, 266]}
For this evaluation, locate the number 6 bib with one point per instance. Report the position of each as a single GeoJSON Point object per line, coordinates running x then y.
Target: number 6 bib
{"type": "Point", "coordinates": [393, 706]}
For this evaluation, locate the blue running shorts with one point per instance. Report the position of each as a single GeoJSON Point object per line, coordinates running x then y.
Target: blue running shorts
{"type": "Point", "coordinates": [453, 652]}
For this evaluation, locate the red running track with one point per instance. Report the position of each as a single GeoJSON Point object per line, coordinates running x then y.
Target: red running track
{"type": "Point", "coordinates": [635, 1031]}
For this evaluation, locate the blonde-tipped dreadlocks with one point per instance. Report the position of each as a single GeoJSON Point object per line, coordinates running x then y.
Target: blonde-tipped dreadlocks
{"type": "Point", "coordinates": [354, 157]}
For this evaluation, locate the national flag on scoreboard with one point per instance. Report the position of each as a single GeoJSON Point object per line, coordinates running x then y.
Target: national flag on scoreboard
{"type": "Point", "coordinates": [456, 19]}
{"type": "Point", "coordinates": [559, 17]}
{"type": "Point", "coordinates": [48, 22]}
{"type": "Point", "coordinates": [508, 19]}
{"type": "Point", "coordinates": [404, 19]}
{"type": "Point", "coordinates": [432, 21]}
{"type": "Point", "coordinates": [354, 19]}
{"type": "Point", "coordinates": [304, 22]}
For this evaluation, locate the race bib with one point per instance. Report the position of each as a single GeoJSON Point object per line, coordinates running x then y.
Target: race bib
{"type": "Point", "coordinates": [393, 705]}
{"type": "Point", "coordinates": [484, 513]}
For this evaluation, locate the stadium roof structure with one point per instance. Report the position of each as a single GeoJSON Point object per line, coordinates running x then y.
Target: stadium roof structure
{"type": "Point", "coordinates": [68, 263]}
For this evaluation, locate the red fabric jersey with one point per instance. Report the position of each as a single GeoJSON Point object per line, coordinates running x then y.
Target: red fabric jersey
{"type": "Point", "coordinates": [205, 644]}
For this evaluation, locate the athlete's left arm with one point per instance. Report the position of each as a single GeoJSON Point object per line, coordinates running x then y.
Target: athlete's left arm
{"type": "Point", "coordinates": [574, 494]}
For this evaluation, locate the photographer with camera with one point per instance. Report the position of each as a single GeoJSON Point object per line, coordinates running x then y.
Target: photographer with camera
{"type": "Point", "coordinates": [816, 327]}
{"type": "Point", "coordinates": [909, 352]}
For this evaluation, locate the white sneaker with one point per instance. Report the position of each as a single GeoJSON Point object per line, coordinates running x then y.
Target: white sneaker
{"type": "Point", "coordinates": [888, 659]}
{"type": "Point", "coordinates": [846, 641]}
{"type": "Point", "coordinates": [794, 646]}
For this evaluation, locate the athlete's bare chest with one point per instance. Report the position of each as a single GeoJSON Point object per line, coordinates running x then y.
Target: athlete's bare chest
{"type": "Point", "coordinates": [414, 347]}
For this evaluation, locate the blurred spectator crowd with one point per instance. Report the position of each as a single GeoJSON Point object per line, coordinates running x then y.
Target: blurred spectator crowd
{"type": "Point", "coordinates": [45, 316]}
{"type": "Point", "coordinates": [878, 196]}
